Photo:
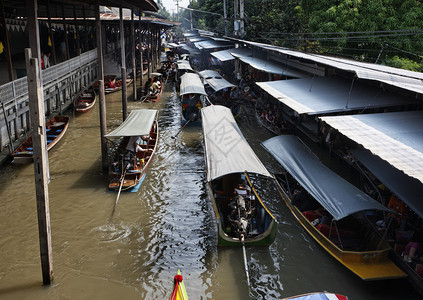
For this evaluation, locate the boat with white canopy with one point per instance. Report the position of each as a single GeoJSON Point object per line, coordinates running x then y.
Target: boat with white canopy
{"type": "Point", "coordinates": [339, 221]}
{"type": "Point", "coordinates": [192, 95]}
{"type": "Point", "coordinates": [131, 158]}
{"type": "Point", "coordinates": [241, 216]}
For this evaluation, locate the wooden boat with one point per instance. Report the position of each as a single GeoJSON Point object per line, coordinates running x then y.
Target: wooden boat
{"type": "Point", "coordinates": [338, 222]}
{"type": "Point", "coordinates": [179, 292]}
{"type": "Point", "coordinates": [56, 128]}
{"type": "Point", "coordinates": [156, 96]}
{"type": "Point", "coordinates": [107, 79]}
{"type": "Point", "coordinates": [240, 214]}
{"type": "Point", "coordinates": [192, 95]}
{"type": "Point", "coordinates": [132, 157]}
{"type": "Point", "coordinates": [117, 86]}
{"type": "Point", "coordinates": [85, 101]}
{"type": "Point", "coordinates": [317, 296]}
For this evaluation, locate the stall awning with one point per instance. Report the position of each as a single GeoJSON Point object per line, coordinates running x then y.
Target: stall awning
{"type": "Point", "coordinates": [139, 122]}
{"type": "Point", "coordinates": [401, 78]}
{"type": "Point", "coordinates": [396, 137]}
{"type": "Point", "coordinates": [191, 84]}
{"type": "Point", "coordinates": [225, 55]}
{"type": "Point", "coordinates": [173, 45]}
{"type": "Point", "coordinates": [322, 95]}
{"type": "Point", "coordinates": [183, 64]}
{"type": "Point", "coordinates": [339, 197]}
{"type": "Point", "coordinates": [197, 39]}
{"type": "Point", "coordinates": [215, 80]}
{"type": "Point", "coordinates": [226, 149]}
{"type": "Point", "coordinates": [204, 45]}
{"type": "Point", "coordinates": [268, 66]}
{"type": "Point", "coordinates": [408, 189]}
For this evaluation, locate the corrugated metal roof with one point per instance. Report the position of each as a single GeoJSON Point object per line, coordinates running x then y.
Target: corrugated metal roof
{"type": "Point", "coordinates": [225, 55]}
{"type": "Point", "coordinates": [409, 80]}
{"type": "Point", "coordinates": [395, 137]}
{"type": "Point", "coordinates": [210, 44]}
{"type": "Point", "coordinates": [215, 80]}
{"type": "Point", "coordinates": [322, 95]}
{"type": "Point", "coordinates": [268, 66]}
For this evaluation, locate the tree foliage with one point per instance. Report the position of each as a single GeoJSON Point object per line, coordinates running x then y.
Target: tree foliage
{"type": "Point", "coordinates": [369, 30]}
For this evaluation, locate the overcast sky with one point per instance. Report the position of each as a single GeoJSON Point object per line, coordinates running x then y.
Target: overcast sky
{"type": "Point", "coordinates": [171, 5]}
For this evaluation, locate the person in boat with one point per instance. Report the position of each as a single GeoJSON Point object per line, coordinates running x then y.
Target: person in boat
{"type": "Point", "coordinates": [305, 202]}
{"type": "Point", "coordinates": [414, 248]}
{"type": "Point", "coordinates": [155, 87]}
{"type": "Point", "coordinates": [110, 84]}
{"type": "Point", "coordinates": [147, 85]}
{"type": "Point", "coordinates": [239, 216]}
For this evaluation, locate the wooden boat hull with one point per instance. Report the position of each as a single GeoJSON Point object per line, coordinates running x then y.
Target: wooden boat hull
{"type": "Point", "coordinates": [107, 78]}
{"type": "Point", "coordinates": [368, 265]}
{"type": "Point", "coordinates": [118, 86]}
{"type": "Point", "coordinates": [132, 180]}
{"type": "Point", "coordinates": [85, 101]}
{"type": "Point", "coordinates": [56, 129]}
{"type": "Point", "coordinates": [224, 239]}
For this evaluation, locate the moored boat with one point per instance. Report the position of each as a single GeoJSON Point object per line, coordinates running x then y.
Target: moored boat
{"type": "Point", "coordinates": [192, 95]}
{"type": "Point", "coordinates": [240, 214]}
{"type": "Point", "coordinates": [85, 101]}
{"type": "Point", "coordinates": [108, 80]}
{"type": "Point", "coordinates": [117, 86]}
{"type": "Point", "coordinates": [332, 210]}
{"type": "Point", "coordinates": [132, 157]}
{"type": "Point", "coordinates": [56, 128]}
{"type": "Point", "coordinates": [179, 292]}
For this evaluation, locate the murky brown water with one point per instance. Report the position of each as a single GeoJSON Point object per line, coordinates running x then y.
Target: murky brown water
{"type": "Point", "coordinates": [163, 227]}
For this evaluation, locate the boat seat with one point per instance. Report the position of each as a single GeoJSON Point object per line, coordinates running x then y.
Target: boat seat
{"type": "Point", "coordinates": [29, 148]}
{"type": "Point", "coordinates": [326, 229]}
{"type": "Point", "coordinates": [311, 215]}
{"type": "Point", "coordinates": [399, 249]}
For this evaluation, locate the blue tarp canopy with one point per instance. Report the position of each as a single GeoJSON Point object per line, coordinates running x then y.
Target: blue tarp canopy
{"type": "Point", "coordinates": [339, 197]}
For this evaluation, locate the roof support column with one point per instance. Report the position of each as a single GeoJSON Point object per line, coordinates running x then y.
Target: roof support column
{"type": "Point", "coordinates": [78, 42]}
{"type": "Point", "coordinates": [140, 42]}
{"type": "Point", "coordinates": [102, 96]}
{"type": "Point", "coordinates": [65, 36]}
{"type": "Point", "coordinates": [134, 67]}
{"type": "Point", "coordinates": [6, 44]}
{"type": "Point", "coordinates": [39, 141]}
{"type": "Point", "coordinates": [51, 34]}
{"type": "Point", "coordinates": [149, 45]}
{"type": "Point", "coordinates": [123, 66]}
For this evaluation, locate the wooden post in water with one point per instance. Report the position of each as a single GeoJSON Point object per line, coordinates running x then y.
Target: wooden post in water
{"type": "Point", "coordinates": [102, 96]}
{"type": "Point", "coordinates": [123, 66]}
{"type": "Point", "coordinates": [134, 67]}
{"type": "Point", "coordinates": [39, 141]}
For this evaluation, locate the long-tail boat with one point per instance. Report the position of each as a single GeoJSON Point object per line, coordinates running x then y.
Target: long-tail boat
{"type": "Point", "coordinates": [85, 101]}
{"type": "Point", "coordinates": [241, 216]}
{"type": "Point", "coordinates": [56, 128]}
{"type": "Point", "coordinates": [132, 157]}
{"type": "Point", "coordinates": [192, 95]}
{"type": "Point", "coordinates": [332, 210]}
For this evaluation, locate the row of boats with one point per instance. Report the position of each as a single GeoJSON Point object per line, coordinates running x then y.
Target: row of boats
{"type": "Point", "coordinates": [337, 222]}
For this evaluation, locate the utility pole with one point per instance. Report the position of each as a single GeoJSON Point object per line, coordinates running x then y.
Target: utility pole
{"type": "Point", "coordinates": [225, 16]}
{"type": "Point", "coordinates": [177, 9]}
{"type": "Point", "coordinates": [236, 17]}
{"type": "Point", "coordinates": [241, 17]}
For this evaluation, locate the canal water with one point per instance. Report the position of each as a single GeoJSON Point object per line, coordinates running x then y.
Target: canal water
{"type": "Point", "coordinates": [167, 225]}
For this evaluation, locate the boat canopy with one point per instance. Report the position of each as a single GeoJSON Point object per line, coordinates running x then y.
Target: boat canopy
{"type": "Point", "coordinates": [322, 95]}
{"type": "Point", "coordinates": [408, 189]}
{"type": "Point", "coordinates": [226, 55]}
{"type": "Point", "coordinates": [335, 194]}
{"type": "Point", "coordinates": [268, 66]}
{"type": "Point", "coordinates": [139, 122]}
{"type": "Point", "coordinates": [183, 64]}
{"type": "Point", "coordinates": [396, 137]}
{"type": "Point", "coordinates": [226, 149]}
{"type": "Point", "coordinates": [215, 80]}
{"type": "Point", "coordinates": [191, 84]}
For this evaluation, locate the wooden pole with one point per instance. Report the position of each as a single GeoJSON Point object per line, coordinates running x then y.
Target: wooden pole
{"type": "Point", "coordinates": [6, 44]}
{"type": "Point", "coordinates": [86, 30]}
{"type": "Point", "coordinates": [102, 96]}
{"type": "Point", "coordinates": [150, 44]}
{"type": "Point", "coordinates": [39, 141]}
{"type": "Point", "coordinates": [141, 54]}
{"type": "Point", "coordinates": [123, 66]}
{"type": "Point", "coordinates": [65, 31]}
{"type": "Point", "coordinates": [78, 42]}
{"type": "Point", "coordinates": [134, 67]}
{"type": "Point", "coordinates": [50, 29]}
